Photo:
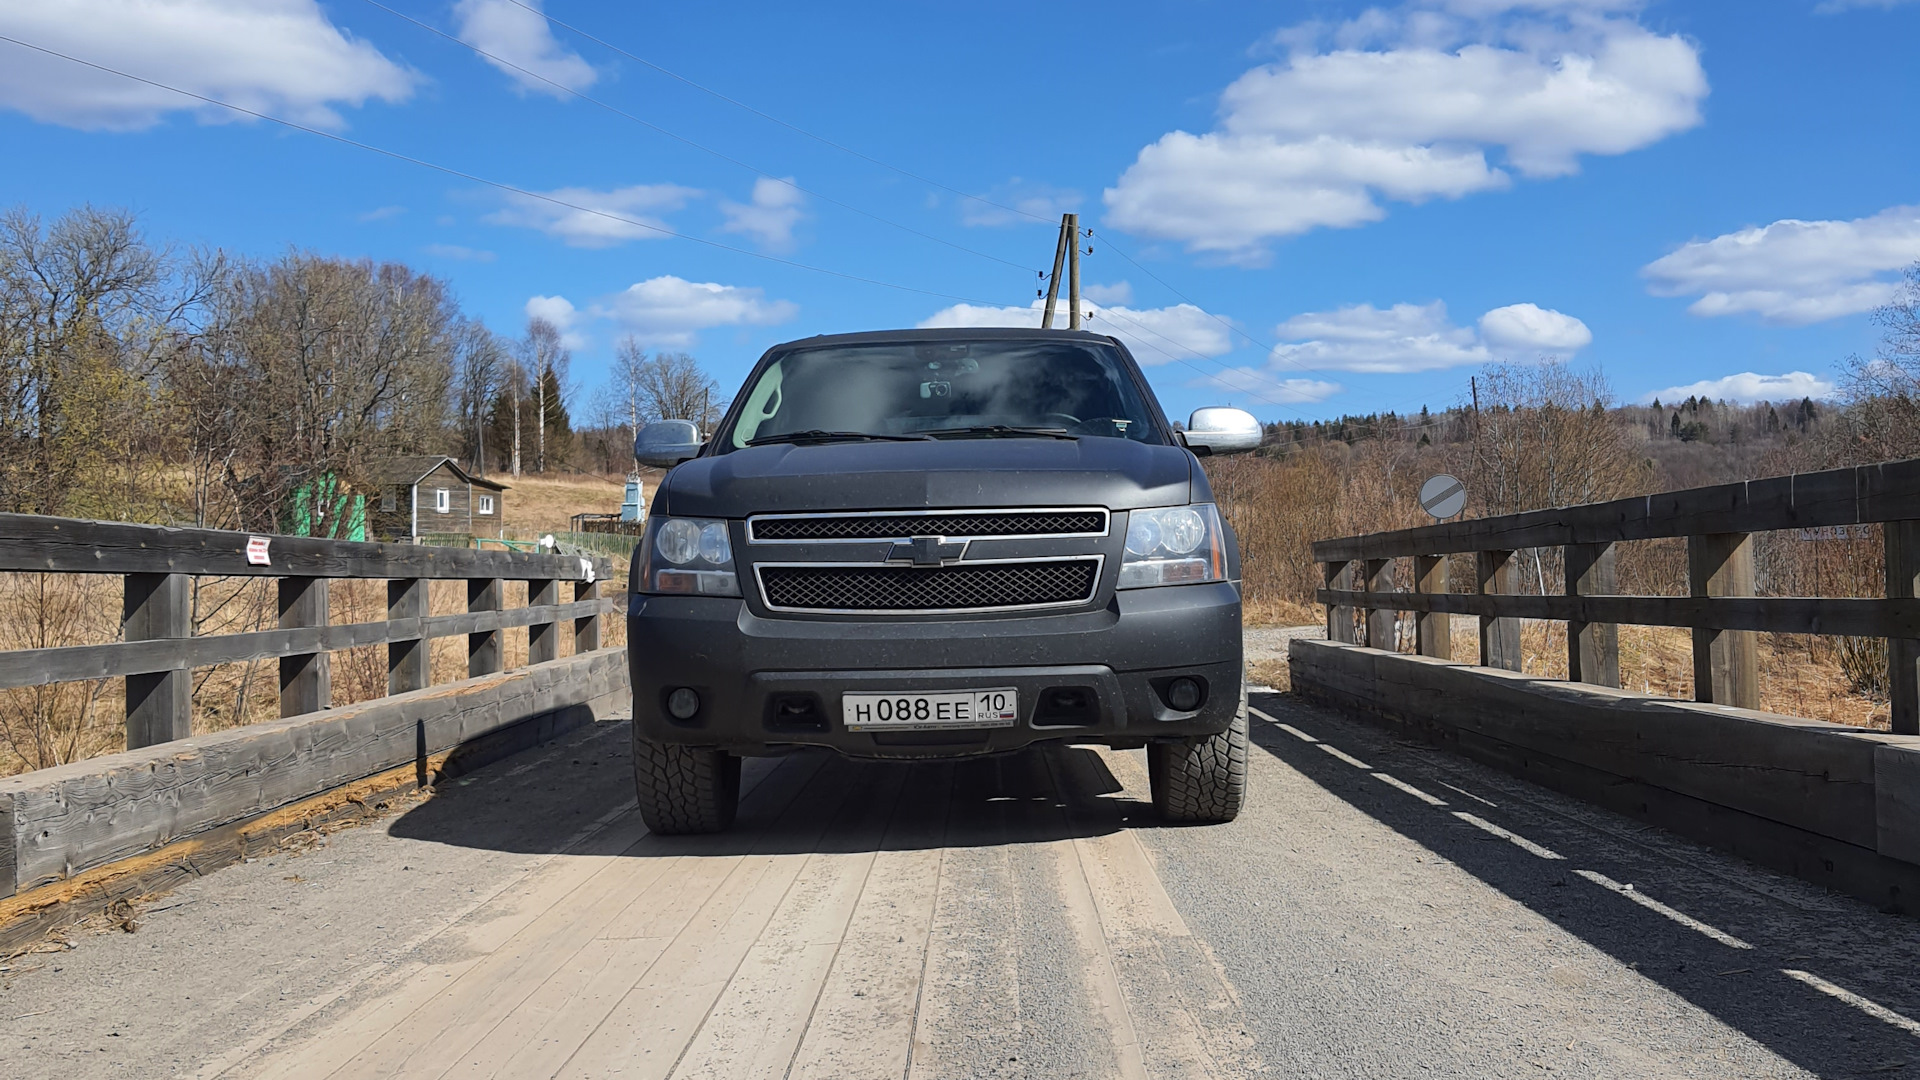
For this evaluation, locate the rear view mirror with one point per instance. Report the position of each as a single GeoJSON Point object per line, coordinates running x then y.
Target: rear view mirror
{"type": "Point", "coordinates": [1222, 430]}
{"type": "Point", "coordinates": [666, 443]}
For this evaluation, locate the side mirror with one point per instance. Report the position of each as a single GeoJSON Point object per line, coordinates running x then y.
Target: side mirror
{"type": "Point", "coordinates": [666, 443]}
{"type": "Point", "coordinates": [1221, 430]}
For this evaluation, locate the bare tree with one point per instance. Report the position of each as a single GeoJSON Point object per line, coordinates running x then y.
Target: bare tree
{"type": "Point", "coordinates": [548, 361]}
{"type": "Point", "coordinates": [1883, 393]}
{"type": "Point", "coordinates": [627, 384]}
{"type": "Point", "coordinates": [480, 371]}
{"type": "Point", "coordinates": [674, 386]}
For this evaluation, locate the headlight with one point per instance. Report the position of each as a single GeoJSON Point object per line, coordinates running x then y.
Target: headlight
{"type": "Point", "coordinates": [1174, 545]}
{"type": "Point", "coordinates": [686, 557]}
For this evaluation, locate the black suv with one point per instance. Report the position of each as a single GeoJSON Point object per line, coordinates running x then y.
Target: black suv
{"type": "Point", "coordinates": [936, 543]}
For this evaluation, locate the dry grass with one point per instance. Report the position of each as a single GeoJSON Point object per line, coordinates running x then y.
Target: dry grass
{"type": "Point", "coordinates": [536, 505]}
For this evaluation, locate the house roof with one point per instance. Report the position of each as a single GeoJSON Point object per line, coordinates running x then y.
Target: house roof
{"type": "Point", "coordinates": [412, 469]}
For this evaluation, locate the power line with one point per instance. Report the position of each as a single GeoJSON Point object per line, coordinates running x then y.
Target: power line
{"type": "Point", "coordinates": [496, 184]}
{"type": "Point", "coordinates": [774, 119]}
{"type": "Point", "coordinates": [503, 62]}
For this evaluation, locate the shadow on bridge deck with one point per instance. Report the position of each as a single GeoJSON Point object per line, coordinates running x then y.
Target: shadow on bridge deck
{"type": "Point", "coordinates": [1769, 956]}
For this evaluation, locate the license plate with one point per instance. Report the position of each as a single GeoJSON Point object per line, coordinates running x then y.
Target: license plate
{"type": "Point", "coordinates": [915, 711]}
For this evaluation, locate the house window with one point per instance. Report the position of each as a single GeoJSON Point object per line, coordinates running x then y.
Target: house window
{"type": "Point", "coordinates": [389, 499]}
{"type": "Point", "coordinates": [486, 504]}
{"type": "Point", "coordinates": [442, 501]}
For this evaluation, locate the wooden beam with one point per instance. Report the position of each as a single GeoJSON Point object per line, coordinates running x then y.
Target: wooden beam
{"type": "Point", "coordinates": [543, 638]}
{"type": "Point", "coordinates": [1499, 635]}
{"type": "Point", "coordinates": [1868, 493]}
{"type": "Point", "coordinates": [1593, 649]}
{"type": "Point", "coordinates": [1432, 630]}
{"type": "Point", "coordinates": [1726, 663]}
{"type": "Point", "coordinates": [1903, 652]}
{"type": "Point", "coordinates": [484, 652]}
{"type": "Point", "coordinates": [159, 608]}
{"type": "Point", "coordinates": [1339, 576]}
{"type": "Point", "coordinates": [1380, 620]}
{"type": "Point", "coordinates": [1846, 616]}
{"type": "Point", "coordinates": [306, 679]}
{"type": "Point", "coordinates": [409, 665]}
{"type": "Point", "coordinates": [586, 628]}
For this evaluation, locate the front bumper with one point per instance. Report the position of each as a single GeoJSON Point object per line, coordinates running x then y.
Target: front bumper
{"type": "Point", "coordinates": [751, 672]}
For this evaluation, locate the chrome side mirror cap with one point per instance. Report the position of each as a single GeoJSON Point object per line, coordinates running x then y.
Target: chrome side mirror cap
{"type": "Point", "coordinates": [666, 443]}
{"type": "Point", "coordinates": [1222, 430]}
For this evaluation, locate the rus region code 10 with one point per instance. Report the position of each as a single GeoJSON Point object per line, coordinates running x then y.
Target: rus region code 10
{"type": "Point", "coordinates": [916, 710]}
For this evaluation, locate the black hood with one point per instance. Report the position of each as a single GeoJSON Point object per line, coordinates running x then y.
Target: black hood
{"type": "Point", "coordinates": [950, 473]}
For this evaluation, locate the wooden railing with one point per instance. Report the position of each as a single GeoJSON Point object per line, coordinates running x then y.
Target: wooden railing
{"type": "Point", "coordinates": [159, 650]}
{"type": "Point", "coordinates": [1722, 610]}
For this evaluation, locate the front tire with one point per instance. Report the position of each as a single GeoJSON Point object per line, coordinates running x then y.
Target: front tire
{"type": "Point", "coordinates": [1202, 780]}
{"type": "Point", "coordinates": [685, 789]}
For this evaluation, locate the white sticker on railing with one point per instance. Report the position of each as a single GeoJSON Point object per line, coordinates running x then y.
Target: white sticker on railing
{"type": "Point", "coordinates": [586, 570]}
{"type": "Point", "coordinates": [257, 551]}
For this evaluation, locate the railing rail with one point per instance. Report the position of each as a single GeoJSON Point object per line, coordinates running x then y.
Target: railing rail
{"type": "Point", "coordinates": [1718, 524]}
{"type": "Point", "coordinates": [159, 651]}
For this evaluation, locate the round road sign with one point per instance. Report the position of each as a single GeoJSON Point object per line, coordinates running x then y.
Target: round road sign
{"type": "Point", "coordinates": [1443, 496]}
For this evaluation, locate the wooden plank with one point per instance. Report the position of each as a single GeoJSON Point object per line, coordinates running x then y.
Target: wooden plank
{"type": "Point", "coordinates": [1848, 616]}
{"type": "Point", "coordinates": [1593, 649]}
{"type": "Point", "coordinates": [543, 638]}
{"type": "Point", "coordinates": [485, 649]}
{"type": "Point", "coordinates": [306, 679]}
{"type": "Point", "coordinates": [158, 607]}
{"type": "Point", "coordinates": [586, 628]}
{"type": "Point", "coordinates": [1433, 631]}
{"type": "Point", "coordinates": [68, 545]}
{"type": "Point", "coordinates": [1339, 576]}
{"type": "Point", "coordinates": [1499, 635]}
{"type": "Point", "coordinates": [40, 667]}
{"type": "Point", "coordinates": [409, 664]}
{"type": "Point", "coordinates": [1380, 621]}
{"type": "Point", "coordinates": [1868, 493]}
{"type": "Point", "coordinates": [1726, 663]}
{"type": "Point", "coordinates": [1896, 801]}
{"type": "Point", "coordinates": [1903, 652]}
{"type": "Point", "coordinates": [88, 813]}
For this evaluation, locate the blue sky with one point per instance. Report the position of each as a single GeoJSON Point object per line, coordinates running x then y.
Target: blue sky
{"type": "Point", "coordinates": [1358, 205]}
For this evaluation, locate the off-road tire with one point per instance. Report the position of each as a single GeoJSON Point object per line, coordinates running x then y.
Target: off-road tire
{"type": "Point", "coordinates": [1202, 780]}
{"type": "Point", "coordinates": [685, 789]}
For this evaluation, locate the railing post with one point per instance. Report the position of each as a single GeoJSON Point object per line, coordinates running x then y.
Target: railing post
{"type": "Point", "coordinates": [306, 679]}
{"type": "Point", "coordinates": [1903, 654]}
{"type": "Point", "coordinates": [159, 705]}
{"type": "Point", "coordinates": [483, 649]}
{"type": "Point", "coordinates": [543, 638]}
{"type": "Point", "coordinates": [1593, 649]}
{"type": "Point", "coordinates": [586, 630]}
{"type": "Point", "coordinates": [407, 661]}
{"type": "Point", "coordinates": [1726, 663]}
{"type": "Point", "coordinates": [1432, 630]}
{"type": "Point", "coordinates": [1380, 620]}
{"type": "Point", "coordinates": [1499, 635]}
{"type": "Point", "coordinates": [1339, 577]}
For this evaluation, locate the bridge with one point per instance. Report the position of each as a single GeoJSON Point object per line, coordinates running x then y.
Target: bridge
{"type": "Point", "coordinates": [1446, 868]}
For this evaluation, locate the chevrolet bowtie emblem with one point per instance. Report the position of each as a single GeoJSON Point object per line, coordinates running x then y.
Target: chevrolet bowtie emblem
{"type": "Point", "coordinates": [928, 551]}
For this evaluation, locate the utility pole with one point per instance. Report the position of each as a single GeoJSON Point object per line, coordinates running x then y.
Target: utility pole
{"type": "Point", "coordinates": [1053, 280]}
{"type": "Point", "coordinates": [1070, 232]}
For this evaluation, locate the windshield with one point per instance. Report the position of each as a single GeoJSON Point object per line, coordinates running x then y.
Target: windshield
{"type": "Point", "coordinates": [947, 389]}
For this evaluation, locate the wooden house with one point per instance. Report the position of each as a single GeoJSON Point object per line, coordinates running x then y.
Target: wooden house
{"type": "Point", "coordinates": [431, 493]}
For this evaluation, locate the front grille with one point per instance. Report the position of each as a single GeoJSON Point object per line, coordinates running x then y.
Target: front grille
{"type": "Point", "coordinates": [960, 587]}
{"type": "Point", "coordinates": [908, 526]}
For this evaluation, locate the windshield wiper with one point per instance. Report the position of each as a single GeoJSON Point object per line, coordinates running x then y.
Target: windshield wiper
{"type": "Point", "coordinates": [1002, 431]}
{"type": "Point", "coordinates": [816, 435]}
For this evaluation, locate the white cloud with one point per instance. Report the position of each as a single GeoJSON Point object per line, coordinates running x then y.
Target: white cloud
{"type": "Point", "coordinates": [1270, 388]}
{"type": "Point", "coordinates": [1835, 7]}
{"type": "Point", "coordinates": [457, 251]}
{"type": "Point", "coordinates": [1153, 335]}
{"type": "Point", "coordinates": [1748, 387]}
{"type": "Point", "coordinates": [1793, 272]}
{"type": "Point", "coordinates": [565, 318]}
{"type": "Point", "coordinates": [281, 57]}
{"type": "Point", "coordinates": [1420, 337]}
{"type": "Point", "coordinates": [1407, 105]}
{"type": "Point", "coordinates": [523, 39]}
{"type": "Point", "coordinates": [381, 213]}
{"type": "Point", "coordinates": [1028, 200]}
{"type": "Point", "coordinates": [1119, 292]}
{"type": "Point", "coordinates": [769, 219]}
{"type": "Point", "coordinates": [1520, 327]}
{"type": "Point", "coordinates": [670, 311]}
{"type": "Point", "coordinates": [589, 227]}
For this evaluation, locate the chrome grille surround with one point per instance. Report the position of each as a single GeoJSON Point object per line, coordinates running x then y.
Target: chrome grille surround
{"type": "Point", "coordinates": [968, 587]}
{"type": "Point", "coordinates": [901, 525]}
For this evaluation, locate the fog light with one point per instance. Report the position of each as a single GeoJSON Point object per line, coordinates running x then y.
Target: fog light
{"type": "Point", "coordinates": [683, 703]}
{"type": "Point", "coordinates": [1183, 694]}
